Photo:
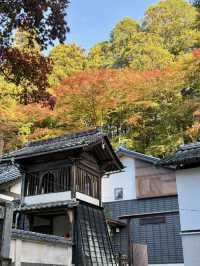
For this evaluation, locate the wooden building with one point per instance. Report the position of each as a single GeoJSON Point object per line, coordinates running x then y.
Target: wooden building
{"type": "Point", "coordinates": [6, 216]}
{"type": "Point", "coordinates": [144, 196]}
{"type": "Point", "coordinates": [61, 194]}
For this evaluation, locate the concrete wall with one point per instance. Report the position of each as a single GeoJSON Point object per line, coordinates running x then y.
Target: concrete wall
{"type": "Point", "coordinates": [188, 185]}
{"type": "Point", "coordinates": [125, 180]}
{"type": "Point", "coordinates": [24, 251]}
{"type": "Point", "coordinates": [191, 247]}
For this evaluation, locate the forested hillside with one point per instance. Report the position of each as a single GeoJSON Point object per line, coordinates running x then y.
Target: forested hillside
{"type": "Point", "coordinates": [142, 85]}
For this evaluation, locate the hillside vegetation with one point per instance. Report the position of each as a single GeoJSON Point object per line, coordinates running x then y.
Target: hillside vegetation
{"type": "Point", "coordinates": [142, 85]}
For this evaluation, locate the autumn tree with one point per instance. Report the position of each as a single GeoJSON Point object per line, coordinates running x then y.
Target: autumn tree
{"type": "Point", "coordinates": [43, 20]}
{"type": "Point", "coordinates": [87, 99]}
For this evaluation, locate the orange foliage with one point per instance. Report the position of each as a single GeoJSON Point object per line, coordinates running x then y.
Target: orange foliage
{"type": "Point", "coordinates": [196, 52]}
{"type": "Point", "coordinates": [92, 95]}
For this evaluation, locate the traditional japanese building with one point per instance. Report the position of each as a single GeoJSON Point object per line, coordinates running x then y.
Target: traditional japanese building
{"type": "Point", "coordinates": [61, 194]}
{"type": "Point", "coordinates": [143, 198]}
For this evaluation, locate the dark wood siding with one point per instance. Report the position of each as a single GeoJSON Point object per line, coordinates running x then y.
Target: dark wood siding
{"type": "Point", "coordinates": [163, 239]}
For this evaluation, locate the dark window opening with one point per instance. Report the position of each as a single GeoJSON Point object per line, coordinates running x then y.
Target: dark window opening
{"type": "Point", "coordinates": [118, 193]}
{"type": "Point", "coordinates": [152, 220]}
{"type": "Point", "coordinates": [48, 183]}
{"type": "Point", "coordinates": [58, 225]}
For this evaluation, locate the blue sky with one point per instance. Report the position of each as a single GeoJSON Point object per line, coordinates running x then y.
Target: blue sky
{"type": "Point", "coordinates": [91, 21]}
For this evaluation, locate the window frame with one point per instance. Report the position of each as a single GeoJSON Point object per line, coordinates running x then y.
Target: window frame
{"type": "Point", "coordinates": [121, 190]}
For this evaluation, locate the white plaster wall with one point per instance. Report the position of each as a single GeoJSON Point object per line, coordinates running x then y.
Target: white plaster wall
{"type": "Point", "coordinates": [191, 249]}
{"type": "Point", "coordinates": [5, 197]}
{"type": "Point", "coordinates": [188, 186]}
{"type": "Point", "coordinates": [40, 252]}
{"type": "Point", "coordinates": [16, 188]}
{"type": "Point", "coordinates": [46, 198]}
{"type": "Point", "coordinates": [87, 198]}
{"type": "Point", "coordinates": [125, 180]}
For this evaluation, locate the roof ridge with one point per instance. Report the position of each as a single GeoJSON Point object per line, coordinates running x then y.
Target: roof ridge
{"type": "Point", "coordinates": [123, 148]}
{"type": "Point", "coordinates": [188, 146]}
{"type": "Point", "coordinates": [64, 137]}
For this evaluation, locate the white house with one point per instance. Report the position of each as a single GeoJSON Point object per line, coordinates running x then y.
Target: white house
{"type": "Point", "coordinates": [147, 195]}
{"type": "Point", "coordinates": [10, 182]}
{"type": "Point", "coordinates": [186, 160]}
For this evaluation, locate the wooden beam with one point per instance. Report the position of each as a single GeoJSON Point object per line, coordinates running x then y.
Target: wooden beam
{"type": "Point", "coordinates": [150, 214]}
{"type": "Point", "coordinates": [7, 227]}
{"type": "Point", "coordinates": [73, 185]}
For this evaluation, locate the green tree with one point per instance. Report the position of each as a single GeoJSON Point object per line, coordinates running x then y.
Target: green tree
{"type": "Point", "coordinates": [144, 51]}
{"type": "Point", "coordinates": [121, 37]}
{"type": "Point", "coordinates": [123, 32]}
{"type": "Point", "coordinates": [129, 46]}
{"type": "Point", "coordinates": [66, 59]}
{"type": "Point", "coordinates": [176, 22]}
{"type": "Point", "coordinates": [101, 56]}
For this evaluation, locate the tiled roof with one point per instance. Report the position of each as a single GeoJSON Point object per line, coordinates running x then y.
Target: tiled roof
{"type": "Point", "coordinates": [185, 156]}
{"type": "Point", "coordinates": [28, 235]}
{"type": "Point", "coordinates": [62, 143]}
{"type": "Point", "coordinates": [133, 154]}
{"type": "Point", "coordinates": [69, 203]}
{"type": "Point", "coordinates": [8, 173]}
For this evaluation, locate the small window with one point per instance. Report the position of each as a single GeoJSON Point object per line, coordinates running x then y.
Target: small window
{"type": "Point", "coordinates": [152, 220]}
{"type": "Point", "coordinates": [118, 193]}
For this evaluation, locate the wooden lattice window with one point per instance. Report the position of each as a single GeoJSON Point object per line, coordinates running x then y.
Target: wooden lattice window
{"type": "Point", "coordinates": [87, 183]}
{"type": "Point", "coordinates": [48, 183]}
{"type": "Point", "coordinates": [57, 180]}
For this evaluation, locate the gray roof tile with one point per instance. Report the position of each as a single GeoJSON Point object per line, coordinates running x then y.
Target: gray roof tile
{"type": "Point", "coordinates": [69, 203]}
{"type": "Point", "coordinates": [185, 156]}
{"type": "Point", "coordinates": [66, 142]}
{"type": "Point", "coordinates": [8, 173]}
{"type": "Point", "coordinates": [133, 154]}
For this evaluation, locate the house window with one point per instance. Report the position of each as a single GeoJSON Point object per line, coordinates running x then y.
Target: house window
{"type": "Point", "coordinates": [118, 193]}
{"type": "Point", "coordinates": [152, 220]}
{"type": "Point", "coordinates": [57, 180]}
